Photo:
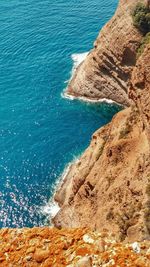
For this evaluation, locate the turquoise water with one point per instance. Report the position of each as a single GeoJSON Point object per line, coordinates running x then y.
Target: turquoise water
{"type": "Point", "coordinates": [40, 132]}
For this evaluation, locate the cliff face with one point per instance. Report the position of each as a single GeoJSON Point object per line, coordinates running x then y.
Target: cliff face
{"type": "Point", "coordinates": [109, 187]}
{"type": "Point", "coordinates": [107, 69]}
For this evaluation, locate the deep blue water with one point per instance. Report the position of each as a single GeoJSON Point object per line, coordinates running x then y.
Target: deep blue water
{"type": "Point", "coordinates": [40, 132]}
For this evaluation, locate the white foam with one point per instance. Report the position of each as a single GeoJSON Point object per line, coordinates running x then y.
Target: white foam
{"type": "Point", "coordinates": [64, 94]}
{"type": "Point", "coordinates": [78, 59]}
{"type": "Point", "coordinates": [50, 209]}
{"type": "Point", "coordinates": [66, 171]}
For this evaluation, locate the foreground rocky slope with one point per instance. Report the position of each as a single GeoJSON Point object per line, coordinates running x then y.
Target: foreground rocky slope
{"type": "Point", "coordinates": [49, 247]}
{"type": "Point", "coordinates": [109, 186]}
{"type": "Point", "coordinates": [107, 69]}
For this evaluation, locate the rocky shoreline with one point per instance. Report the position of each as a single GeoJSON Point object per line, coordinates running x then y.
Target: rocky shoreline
{"type": "Point", "coordinates": [110, 179]}
{"type": "Point", "coordinates": [90, 100]}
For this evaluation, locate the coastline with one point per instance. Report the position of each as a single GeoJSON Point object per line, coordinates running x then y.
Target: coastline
{"type": "Point", "coordinates": [64, 176]}
{"type": "Point", "coordinates": [52, 207]}
{"type": "Point", "coordinates": [66, 95]}
{"type": "Point", "coordinates": [99, 184]}
{"type": "Point", "coordinates": [78, 59]}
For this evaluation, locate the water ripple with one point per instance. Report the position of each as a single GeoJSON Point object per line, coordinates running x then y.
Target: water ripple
{"type": "Point", "coordinates": [39, 131]}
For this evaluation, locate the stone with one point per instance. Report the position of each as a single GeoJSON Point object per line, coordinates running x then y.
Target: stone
{"type": "Point", "coordinates": [101, 245]}
{"type": "Point", "coordinates": [30, 250]}
{"type": "Point", "coordinates": [41, 255]}
{"type": "Point", "coordinates": [84, 262]}
{"type": "Point", "coordinates": [28, 258]}
{"type": "Point", "coordinates": [88, 239]}
{"type": "Point", "coordinates": [136, 247]}
{"type": "Point", "coordinates": [148, 252]}
{"type": "Point", "coordinates": [140, 262]}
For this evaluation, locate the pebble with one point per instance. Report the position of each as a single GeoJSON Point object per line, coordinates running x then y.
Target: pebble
{"type": "Point", "coordinates": [85, 261]}
{"type": "Point", "coordinates": [47, 241]}
{"type": "Point", "coordinates": [88, 239]}
{"type": "Point", "coordinates": [2, 259]}
{"type": "Point", "coordinates": [28, 258]}
{"type": "Point", "coordinates": [136, 247]}
{"type": "Point", "coordinates": [140, 262]}
{"type": "Point", "coordinates": [101, 245]}
{"type": "Point", "coordinates": [41, 255]}
{"type": "Point", "coordinates": [30, 250]}
{"type": "Point", "coordinates": [148, 252]}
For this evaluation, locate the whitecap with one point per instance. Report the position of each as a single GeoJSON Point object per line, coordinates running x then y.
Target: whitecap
{"type": "Point", "coordinates": [77, 60]}
{"type": "Point", "coordinates": [50, 209]}
{"type": "Point", "coordinates": [64, 94]}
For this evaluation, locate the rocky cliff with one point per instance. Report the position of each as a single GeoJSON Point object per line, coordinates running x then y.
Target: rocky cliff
{"type": "Point", "coordinates": [106, 71]}
{"type": "Point", "coordinates": [109, 186]}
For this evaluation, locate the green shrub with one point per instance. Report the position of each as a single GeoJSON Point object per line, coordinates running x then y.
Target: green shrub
{"type": "Point", "coordinates": [144, 42]}
{"type": "Point", "coordinates": [141, 18]}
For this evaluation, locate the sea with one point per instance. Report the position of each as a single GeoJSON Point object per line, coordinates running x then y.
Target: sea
{"type": "Point", "coordinates": [41, 131]}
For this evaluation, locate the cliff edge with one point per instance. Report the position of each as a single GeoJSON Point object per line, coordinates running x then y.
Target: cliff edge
{"type": "Point", "coordinates": [109, 186]}
{"type": "Point", "coordinates": [106, 71]}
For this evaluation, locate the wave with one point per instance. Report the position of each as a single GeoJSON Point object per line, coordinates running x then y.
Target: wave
{"type": "Point", "coordinates": [88, 100]}
{"type": "Point", "coordinates": [51, 208]}
{"type": "Point", "coordinates": [77, 60]}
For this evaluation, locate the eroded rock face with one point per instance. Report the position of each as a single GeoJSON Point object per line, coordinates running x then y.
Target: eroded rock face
{"type": "Point", "coordinates": [140, 88]}
{"type": "Point", "coordinates": [109, 187]}
{"type": "Point", "coordinates": [107, 69]}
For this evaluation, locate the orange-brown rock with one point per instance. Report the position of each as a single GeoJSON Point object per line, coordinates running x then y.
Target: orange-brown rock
{"type": "Point", "coordinates": [50, 249]}
{"type": "Point", "coordinates": [106, 71]}
{"type": "Point", "coordinates": [109, 186]}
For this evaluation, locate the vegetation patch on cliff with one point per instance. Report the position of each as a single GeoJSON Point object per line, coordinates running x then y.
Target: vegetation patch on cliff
{"type": "Point", "coordinates": [144, 42]}
{"type": "Point", "coordinates": [141, 18]}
